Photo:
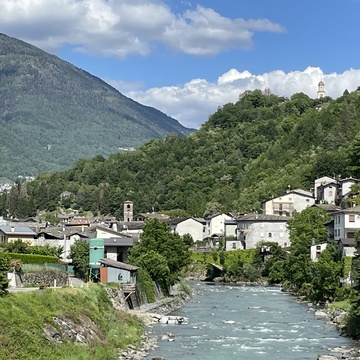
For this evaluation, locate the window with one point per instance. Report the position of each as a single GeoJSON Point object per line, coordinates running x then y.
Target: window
{"type": "Point", "coordinates": [285, 244]}
{"type": "Point", "coordinates": [351, 218]}
{"type": "Point", "coordinates": [307, 200]}
{"type": "Point", "coordinates": [2, 237]}
{"type": "Point", "coordinates": [318, 247]}
{"type": "Point", "coordinates": [128, 206]}
{"type": "Point", "coordinates": [203, 228]}
{"type": "Point", "coordinates": [280, 206]}
{"type": "Point", "coordinates": [330, 193]}
{"type": "Point", "coordinates": [269, 235]}
{"type": "Point", "coordinates": [234, 245]}
{"type": "Point", "coordinates": [350, 234]}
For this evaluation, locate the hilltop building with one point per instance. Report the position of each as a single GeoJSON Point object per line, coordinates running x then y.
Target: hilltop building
{"type": "Point", "coordinates": [321, 90]}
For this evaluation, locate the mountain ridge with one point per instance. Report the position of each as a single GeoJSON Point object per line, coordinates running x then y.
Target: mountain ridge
{"type": "Point", "coordinates": [53, 113]}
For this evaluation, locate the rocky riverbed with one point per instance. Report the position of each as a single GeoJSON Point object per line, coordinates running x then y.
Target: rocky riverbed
{"type": "Point", "coordinates": [337, 318]}
{"type": "Point", "coordinates": [151, 314]}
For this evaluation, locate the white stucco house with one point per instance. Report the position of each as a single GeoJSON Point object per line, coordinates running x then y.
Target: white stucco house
{"type": "Point", "coordinates": [316, 250]}
{"type": "Point", "coordinates": [346, 222]}
{"type": "Point", "coordinates": [191, 226]}
{"type": "Point", "coordinates": [285, 205]}
{"type": "Point", "coordinates": [254, 228]}
{"type": "Point", "coordinates": [327, 193]}
{"type": "Point", "coordinates": [215, 225]}
{"type": "Point", "coordinates": [345, 185]}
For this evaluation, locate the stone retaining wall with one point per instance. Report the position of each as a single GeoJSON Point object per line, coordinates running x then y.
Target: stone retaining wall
{"type": "Point", "coordinates": [44, 278]}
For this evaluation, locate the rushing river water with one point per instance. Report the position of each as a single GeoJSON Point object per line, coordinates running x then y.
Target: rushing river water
{"type": "Point", "coordinates": [265, 324]}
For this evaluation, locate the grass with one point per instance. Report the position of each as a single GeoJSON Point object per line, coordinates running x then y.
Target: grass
{"type": "Point", "coordinates": [344, 304]}
{"type": "Point", "coordinates": [23, 317]}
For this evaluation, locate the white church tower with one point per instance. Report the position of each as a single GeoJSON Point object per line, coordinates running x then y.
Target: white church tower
{"type": "Point", "coordinates": [321, 90]}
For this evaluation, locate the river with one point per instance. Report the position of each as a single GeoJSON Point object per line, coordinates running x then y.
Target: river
{"type": "Point", "coordinates": [265, 323]}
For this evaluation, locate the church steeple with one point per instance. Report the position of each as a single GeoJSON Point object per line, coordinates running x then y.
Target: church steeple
{"type": "Point", "coordinates": [321, 90]}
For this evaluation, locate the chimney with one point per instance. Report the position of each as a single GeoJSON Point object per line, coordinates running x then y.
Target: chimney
{"type": "Point", "coordinates": [114, 226]}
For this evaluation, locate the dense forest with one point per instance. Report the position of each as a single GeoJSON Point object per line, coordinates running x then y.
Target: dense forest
{"type": "Point", "coordinates": [52, 113]}
{"type": "Point", "coordinates": [247, 152]}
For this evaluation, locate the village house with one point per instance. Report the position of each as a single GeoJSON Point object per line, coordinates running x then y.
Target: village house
{"type": "Point", "coordinates": [346, 222]}
{"type": "Point", "coordinates": [215, 225]}
{"type": "Point", "coordinates": [316, 250]}
{"type": "Point", "coordinates": [230, 229]}
{"type": "Point", "coordinates": [9, 233]}
{"type": "Point", "coordinates": [117, 272]}
{"type": "Point", "coordinates": [344, 191]}
{"type": "Point", "coordinates": [319, 182]}
{"type": "Point", "coordinates": [193, 227]}
{"type": "Point", "coordinates": [285, 205]}
{"type": "Point", "coordinates": [56, 236]}
{"type": "Point", "coordinates": [116, 243]}
{"type": "Point", "coordinates": [146, 216]}
{"type": "Point", "coordinates": [255, 228]}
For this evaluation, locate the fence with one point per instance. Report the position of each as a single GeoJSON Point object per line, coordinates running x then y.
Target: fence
{"type": "Point", "coordinates": [48, 266]}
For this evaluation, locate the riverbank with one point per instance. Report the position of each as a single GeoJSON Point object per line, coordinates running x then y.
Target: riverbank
{"type": "Point", "coordinates": [150, 314]}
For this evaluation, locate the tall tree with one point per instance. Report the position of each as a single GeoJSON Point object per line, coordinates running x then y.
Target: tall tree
{"type": "Point", "coordinates": [158, 238]}
{"type": "Point", "coordinates": [79, 253]}
{"type": "Point", "coordinates": [353, 324]}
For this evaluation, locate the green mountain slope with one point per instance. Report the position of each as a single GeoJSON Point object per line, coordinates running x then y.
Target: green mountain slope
{"type": "Point", "coordinates": [246, 153]}
{"type": "Point", "coordinates": [52, 113]}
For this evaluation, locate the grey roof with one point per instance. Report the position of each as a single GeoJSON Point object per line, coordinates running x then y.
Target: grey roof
{"type": "Point", "coordinates": [261, 217]}
{"type": "Point", "coordinates": [117, 241]}
{"type": "Point", "coordinates": [351, 179]}
{"type": "Point", "coordinates": [302, 192]}
{"type": "Point", "coordinates": [18, 230]}
{"type": "Point", "coordinates": [201, 220]}
{"type": "Point", "coordinates": [327, 207]}
{"type": "Point", "coordinates": [152, 216]}
{"type": "Point", "coordinates": [59, 232]}
{"type": "Point", "coordinates": [348, 242]}
{"type": "Point", "coordinates": [212, 216]}
{"type": "Point", "coordinates": [177, 220]}
{"type": "Point", "coordinates": [230, 222]}
{"type": "Point", "coordinates": [350, 210]}
{"type": "Point", "coordinates": [118, 264]}
{"type": "Point", "coordinates": [110, 230]}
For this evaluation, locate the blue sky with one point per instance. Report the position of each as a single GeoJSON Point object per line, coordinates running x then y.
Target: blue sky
{"type": "Point", "coordinates": [186, 58]}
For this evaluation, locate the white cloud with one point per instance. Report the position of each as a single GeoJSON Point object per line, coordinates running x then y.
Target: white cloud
{"type": "Point", "coordinates": [122, 27]}
{"type": "Point", "coordinates": [194, 101]}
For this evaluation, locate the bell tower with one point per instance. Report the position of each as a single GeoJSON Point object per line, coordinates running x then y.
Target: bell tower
{"type": "Point", "coordinates": [128, 211]}
{"type": "Point", "coordinates": [321, 90]}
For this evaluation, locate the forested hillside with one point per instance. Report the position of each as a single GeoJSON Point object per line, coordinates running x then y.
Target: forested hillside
{"type": "Point", "coordinates": [246, 153]}
{"type": "Point", "coordinates": [53, 113]}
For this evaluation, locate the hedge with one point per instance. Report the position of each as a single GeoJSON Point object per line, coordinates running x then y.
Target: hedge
{"type": "Point", "coordinates": [33, 259]}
